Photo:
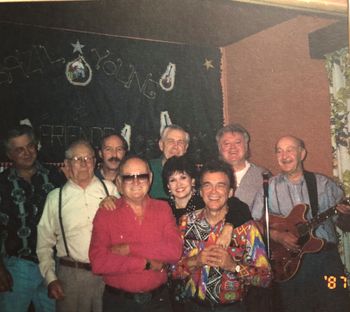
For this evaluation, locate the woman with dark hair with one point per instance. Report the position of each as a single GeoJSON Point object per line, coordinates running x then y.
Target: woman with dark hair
{"type": "Point", "coordinates": [179, 180]}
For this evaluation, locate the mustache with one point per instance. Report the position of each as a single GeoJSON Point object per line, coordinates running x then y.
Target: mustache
{"type": "Point", "coordinates": [114, 159]}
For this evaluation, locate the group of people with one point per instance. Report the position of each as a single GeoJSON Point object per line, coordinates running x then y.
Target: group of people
{"type": "Point", "coordinates": [133, 235]}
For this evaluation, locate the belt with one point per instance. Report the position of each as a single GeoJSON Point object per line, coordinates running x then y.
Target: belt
{"type": "Point", "coordinates": [29, 258]}
{"type": "Point", "coordinates": [141, 297]}
{"type": "Point", "coordinates": [75, 264]}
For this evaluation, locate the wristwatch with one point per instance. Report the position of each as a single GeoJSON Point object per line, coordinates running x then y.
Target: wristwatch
{"type": "Point", "coordinates": [148, 265]}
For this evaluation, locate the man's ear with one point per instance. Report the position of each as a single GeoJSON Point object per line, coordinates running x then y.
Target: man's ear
{"type": "Point", "coordinates": [230, 193]}
{"type": "Point", "coordinates": [118, 182]}
{"type": "Point", "coordinates": [186, 147]}
{"type": "Point", "coordinates": [8, 154]}
{"type": "Point", "coordinates": [161, 144]}
{"type": "Point", "coordinates": [303, 154]}
{"type": "Point", "coordinates": [150, 177]}
{"type": "Point", "coordinates": [66, 169]}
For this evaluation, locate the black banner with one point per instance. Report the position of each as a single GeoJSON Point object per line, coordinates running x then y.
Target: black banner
{"type": "Point", "coordinates": [73, 85]}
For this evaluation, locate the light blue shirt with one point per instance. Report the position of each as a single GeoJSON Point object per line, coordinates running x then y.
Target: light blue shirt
{"type": "Point", "coordinates": [284, 195]}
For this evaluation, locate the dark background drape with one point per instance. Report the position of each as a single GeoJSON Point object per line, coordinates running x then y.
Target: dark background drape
{"type": "Point", "coordinates": [119, 84]}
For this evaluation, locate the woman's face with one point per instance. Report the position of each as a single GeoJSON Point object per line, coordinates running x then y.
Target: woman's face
{"type": "Point", "coordinates": [180, 185]}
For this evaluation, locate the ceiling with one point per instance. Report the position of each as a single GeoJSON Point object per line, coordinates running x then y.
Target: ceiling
{"type": "Point", "coordinates": [199, 22]}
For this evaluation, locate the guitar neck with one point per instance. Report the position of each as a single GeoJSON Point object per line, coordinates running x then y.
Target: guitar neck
{"type": "Point", "coordinates": [322, 217]}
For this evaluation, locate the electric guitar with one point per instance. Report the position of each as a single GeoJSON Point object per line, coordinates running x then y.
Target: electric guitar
{"type": "Point", "coordinates": [285, 263]}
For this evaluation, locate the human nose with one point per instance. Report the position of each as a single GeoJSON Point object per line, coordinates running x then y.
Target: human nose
{"type": "Point", "coordinates": [26, 151]}
{"type": "Point", "coordinates": [83, 162]}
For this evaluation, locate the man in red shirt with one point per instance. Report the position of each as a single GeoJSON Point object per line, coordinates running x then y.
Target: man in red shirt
{"type": "Point", "coordinates": [131, 244]}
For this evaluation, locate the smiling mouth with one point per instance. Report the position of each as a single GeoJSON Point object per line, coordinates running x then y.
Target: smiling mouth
{"type": "Point", "coordinates": [180, 189]}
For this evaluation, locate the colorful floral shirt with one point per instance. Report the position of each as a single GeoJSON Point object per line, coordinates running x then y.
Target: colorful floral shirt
{"type": "Point", "coordinates": [214, 284]}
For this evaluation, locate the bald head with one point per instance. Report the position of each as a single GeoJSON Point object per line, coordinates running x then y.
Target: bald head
{"type": "Point", "coordinates": [297, 141]}
{"type": "Point", "coordinates": [290, 153]}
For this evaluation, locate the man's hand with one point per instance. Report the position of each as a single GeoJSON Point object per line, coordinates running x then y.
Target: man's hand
{"type": "Point", "coordinates": [343, 208]}
{"type": "Point", "coordinates": [224, 239]}
{"type": "Point", "coordinates": [156, 265]}
{"type": "Point", "coordinates": [216, 256]}
{"type": "Point", "coordinates": [209, 256]}
{"type": "Point", "coordinates": [120, 249]}
{"type": "Point", "coordinates": [287, 239]}
{"type": "Point", "coordinates": [108, 203]}
{"type": "Point", "coordinates": [55, 290]}
{"type": "Point", "coordinates": [344, 216]}
{"type": "Point", "coordinates": [6, 282]}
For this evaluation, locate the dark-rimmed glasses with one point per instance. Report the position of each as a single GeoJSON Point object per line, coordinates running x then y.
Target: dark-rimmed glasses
{"type": "Point", "coordinates": [130, 178]}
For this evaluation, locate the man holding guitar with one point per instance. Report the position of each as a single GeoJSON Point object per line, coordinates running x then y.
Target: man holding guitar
{"type": "Point", "coordinates": [304, 241]}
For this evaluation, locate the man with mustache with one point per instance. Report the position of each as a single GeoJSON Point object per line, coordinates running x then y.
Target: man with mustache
{"type": "Point", "coordinates": [113, 149]}
{"type": "Point", "coordinates": [307, 290]}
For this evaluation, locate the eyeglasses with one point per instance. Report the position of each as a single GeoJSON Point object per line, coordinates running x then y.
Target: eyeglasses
{"type": "Point", "coordinates": [130, 178]}
{"type": "Point", "coordinates": [21, 149]}
{"type": "Point", "coordinates": [82, 159]}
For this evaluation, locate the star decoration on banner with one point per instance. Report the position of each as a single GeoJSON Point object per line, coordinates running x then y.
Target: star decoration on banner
{"type": "Point", "coordinates": [208, 64]}
{"type": "Point", "coordinates": [77, 47]}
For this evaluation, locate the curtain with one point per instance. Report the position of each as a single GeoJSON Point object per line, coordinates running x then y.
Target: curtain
{"type": "Point", "coordinates": [73, 85]}
{"type": "Point", "coordinates": [338, 68]}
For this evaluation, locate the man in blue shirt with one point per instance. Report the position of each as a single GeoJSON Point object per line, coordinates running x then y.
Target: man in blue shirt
{"type": "Point", "coordinates": [306, 289]}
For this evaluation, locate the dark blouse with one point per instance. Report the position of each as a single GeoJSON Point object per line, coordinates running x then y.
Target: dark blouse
{"type": "Point", "coordinates": [238, 212]}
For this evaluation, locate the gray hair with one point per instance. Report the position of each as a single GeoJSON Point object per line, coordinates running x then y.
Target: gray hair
{"type": "Point", "coordinates": [68, 154]}
{"type": "Point", "coordinates": [230, 128]}
{"type": "Point", "coordinates": [19, 131]}
{"type": "Point", "coordinates": [164, 133]}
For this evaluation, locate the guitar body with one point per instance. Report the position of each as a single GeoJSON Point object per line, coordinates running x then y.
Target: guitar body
{"type": "Point", "coordinates": [285, 263]}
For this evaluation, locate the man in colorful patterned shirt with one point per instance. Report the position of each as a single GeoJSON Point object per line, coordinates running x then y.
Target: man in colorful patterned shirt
{"type": "Point", "coordinates": [23, 190]}
{"type": "Point", "coordinates": [217, 278]}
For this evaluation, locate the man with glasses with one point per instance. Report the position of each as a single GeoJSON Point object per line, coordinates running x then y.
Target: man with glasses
{"type": "Point", "coordinates": [112, 151]}
{"type": "Point", "coordinates": [66, 226]}
{"type": "Point", "coordinates": [132, 244]}
{"type": "Point", "coordinates": [173, 141]}
{"type": "Point", "coordinates": [23, 190]}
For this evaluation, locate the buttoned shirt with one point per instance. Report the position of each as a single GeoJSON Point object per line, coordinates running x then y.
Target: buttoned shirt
{"type": "Point", "coordinates": [215, 284]}
{"type": "Point", "coordinates": [21, 206]}
{"type": "Point", "coordinates": [284, 195]}
{"type": "Point", "coordinates": [79, 206]}
{"type": "Point", "coordinates": [156, 237]}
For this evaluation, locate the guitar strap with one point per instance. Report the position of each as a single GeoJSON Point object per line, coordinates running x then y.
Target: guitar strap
{"type": "Point", "coordinates": [60, 213]}
{"type": "Point", "coordinates": [311, 185]}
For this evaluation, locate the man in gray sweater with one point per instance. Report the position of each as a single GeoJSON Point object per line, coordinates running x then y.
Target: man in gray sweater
{"type": "Point", "coordinates": [233, 144]}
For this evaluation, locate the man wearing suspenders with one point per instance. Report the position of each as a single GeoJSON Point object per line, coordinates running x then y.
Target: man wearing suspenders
{"type": "Point", "coordinates": [66, 226]}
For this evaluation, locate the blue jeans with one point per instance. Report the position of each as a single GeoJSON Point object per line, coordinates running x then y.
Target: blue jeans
{"type": "Point", "coordinates": [28, 286]}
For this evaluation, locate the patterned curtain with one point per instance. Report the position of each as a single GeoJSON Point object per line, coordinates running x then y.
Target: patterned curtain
{"type": "Point", "coordinates": [338, 68]}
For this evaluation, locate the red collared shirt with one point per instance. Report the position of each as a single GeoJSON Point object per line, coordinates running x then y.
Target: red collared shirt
{"type": "Point", "coordinates": [157, 237]}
